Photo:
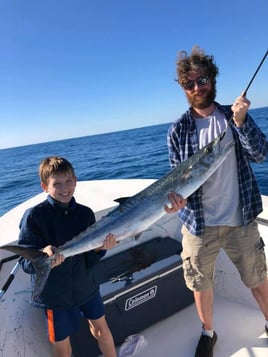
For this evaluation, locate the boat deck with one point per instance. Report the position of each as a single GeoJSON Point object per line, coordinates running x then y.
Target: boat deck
{"type": "Point", "coordinates": [238, 321]}
{"type": "Point", "coordinates": [178, 335]}
{"type": "Point", "coordinates": [240, 329]}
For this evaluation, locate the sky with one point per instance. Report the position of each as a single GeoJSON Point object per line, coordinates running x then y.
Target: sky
{"type": "Point", "coordinates": [74, 68]}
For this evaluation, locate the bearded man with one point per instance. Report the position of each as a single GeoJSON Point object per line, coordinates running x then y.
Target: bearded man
{"type": "Point", "coordinates": [220, 214]}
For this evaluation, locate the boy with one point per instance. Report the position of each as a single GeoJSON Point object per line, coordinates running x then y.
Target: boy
{"type": "Point", "coordinates": [71, 288]}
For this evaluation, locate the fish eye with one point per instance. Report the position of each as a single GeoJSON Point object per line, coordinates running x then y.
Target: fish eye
{"type": "Point", "coordinates": [209, 149]}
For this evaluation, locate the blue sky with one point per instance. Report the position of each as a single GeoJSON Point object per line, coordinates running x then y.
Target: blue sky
{"type": "Point", "coordinates": [81, 67]}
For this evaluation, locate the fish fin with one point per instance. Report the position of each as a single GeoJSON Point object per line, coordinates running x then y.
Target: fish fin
{"type": "Point", "coordinates": [39, 261]}
{"type": "Point", "coordinates": [137, 236]}
{"type": "Point", "coordinates": [42, 266]}
{"type": "Point", "coordinates": [121, 199]}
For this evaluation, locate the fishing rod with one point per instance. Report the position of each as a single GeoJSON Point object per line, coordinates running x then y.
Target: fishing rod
{"type": "Point", "coordinates": [254, 75]}
{"type": "Point", "coordinates": [9, 279]}
{"type": "Point", "coordinates": [244, 93]}
{"type": "Point", "coordinates": [8, 259]}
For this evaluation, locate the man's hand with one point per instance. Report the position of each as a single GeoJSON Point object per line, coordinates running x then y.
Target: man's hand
{"type": "Point", "coordinates": [176, 202]}
{"type": "Point", "coordinates": [240, 109]}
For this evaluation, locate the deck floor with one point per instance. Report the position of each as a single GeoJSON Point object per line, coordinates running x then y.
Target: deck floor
{"type": "Point", "coordinates": [178, 335]}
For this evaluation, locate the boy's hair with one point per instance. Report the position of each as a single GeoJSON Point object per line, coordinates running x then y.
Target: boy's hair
{"type": "Point", "coordinates": [53, 165]}
{"type": "Point", "coordinates": [195, 61]}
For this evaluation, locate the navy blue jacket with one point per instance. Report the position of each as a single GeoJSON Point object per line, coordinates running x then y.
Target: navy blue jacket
{"type": "Point", "coordinates": [73, 282]}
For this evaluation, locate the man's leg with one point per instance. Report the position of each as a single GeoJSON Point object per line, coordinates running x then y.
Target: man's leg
{"type": "Point", "coordinates": [260, 293]}
{"type": "Point", "coordinates": [247, 253]}
{"type": "Point", "coordinates": [199, 255]}
{"type": "Point", "coordinates": [204, 306]}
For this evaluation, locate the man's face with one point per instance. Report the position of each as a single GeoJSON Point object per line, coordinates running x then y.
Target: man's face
{"type": "Point", "coordinates": [202, 93]}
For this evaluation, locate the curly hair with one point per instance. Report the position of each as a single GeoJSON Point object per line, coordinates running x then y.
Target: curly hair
{"type": "Point", "coordinates": [195, 61]}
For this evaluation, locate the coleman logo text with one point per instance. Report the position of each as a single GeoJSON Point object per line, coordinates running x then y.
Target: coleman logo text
{"type": "Point", "coordinates": [140, 298]}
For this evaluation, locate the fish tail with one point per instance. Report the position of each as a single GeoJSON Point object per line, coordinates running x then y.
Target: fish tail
{"type": "Point", "coordinates": [40, 262]}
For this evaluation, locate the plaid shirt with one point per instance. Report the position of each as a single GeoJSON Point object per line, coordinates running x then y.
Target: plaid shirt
{"type": "Point", "coordinates": [250, 145]}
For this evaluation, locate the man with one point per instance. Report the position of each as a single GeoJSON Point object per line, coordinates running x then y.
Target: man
{"type": "Point", "coordinates": [221, 214]}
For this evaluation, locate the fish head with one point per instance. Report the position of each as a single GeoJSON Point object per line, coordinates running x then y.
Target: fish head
{"type": "Point", "coordinates": [214, 153]}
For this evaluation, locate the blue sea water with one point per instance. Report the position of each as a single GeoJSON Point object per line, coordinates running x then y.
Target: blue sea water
{"type": "Point", "coordinates": [135, 153]}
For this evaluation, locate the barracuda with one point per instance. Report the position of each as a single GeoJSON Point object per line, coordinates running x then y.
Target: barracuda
{"type": "Point", "coordinates": [134, 214]}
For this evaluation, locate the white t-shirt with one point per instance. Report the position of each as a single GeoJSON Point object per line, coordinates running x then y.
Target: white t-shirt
{"type": "Point", "coordinates": [220, 193]}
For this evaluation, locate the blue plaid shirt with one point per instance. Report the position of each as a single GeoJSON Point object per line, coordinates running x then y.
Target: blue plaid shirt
{"type": "Point", "coordinates": [250, 145]}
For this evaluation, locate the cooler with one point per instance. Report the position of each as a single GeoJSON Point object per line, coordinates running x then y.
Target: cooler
{"type": "Point", "coordinates": [139, 286]}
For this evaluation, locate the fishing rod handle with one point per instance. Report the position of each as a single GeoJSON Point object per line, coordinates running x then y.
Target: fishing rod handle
{"type": "Point", "coordinates": [9, 280]}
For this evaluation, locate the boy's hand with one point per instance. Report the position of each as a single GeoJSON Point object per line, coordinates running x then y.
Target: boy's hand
{"type": "Point", "coordinates": [57, 259]}
{"type": "Point", "coordinates": [109, 242]}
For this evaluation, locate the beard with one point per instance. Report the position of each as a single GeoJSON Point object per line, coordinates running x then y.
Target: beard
{"type": "Point", "coordinates": [202, 98]}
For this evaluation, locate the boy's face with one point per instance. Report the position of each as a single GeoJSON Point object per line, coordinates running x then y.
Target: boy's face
{"type": "Point", "coordinates": [60, 187]}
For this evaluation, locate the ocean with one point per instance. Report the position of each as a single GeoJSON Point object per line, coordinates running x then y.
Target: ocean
{"type": "Point", "coordinates": [134, 153]}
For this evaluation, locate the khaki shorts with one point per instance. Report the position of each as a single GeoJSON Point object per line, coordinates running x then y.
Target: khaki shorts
{"type": "Point", "coordinates": [243, 245]}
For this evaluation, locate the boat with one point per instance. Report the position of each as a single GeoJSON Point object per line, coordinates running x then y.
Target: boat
{"type": "Point", "coordinates": [142, 288]}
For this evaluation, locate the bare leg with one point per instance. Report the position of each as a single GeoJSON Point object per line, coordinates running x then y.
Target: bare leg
{"type": "Point", "coordinates": [62, 348]}
{"type": "Point", "coordinates": [260, 293]}
{"type": "Point", "coordinates": [100, 330]}
{"type": "Point", "coordinates": [204, 306]}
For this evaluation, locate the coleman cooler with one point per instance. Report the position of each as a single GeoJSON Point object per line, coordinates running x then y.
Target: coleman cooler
{"type": "Point", "coordinates": [139, 286]}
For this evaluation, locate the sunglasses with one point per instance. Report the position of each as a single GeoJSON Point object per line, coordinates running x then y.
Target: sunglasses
{"type": "Point", "coordinates": [201, 81]}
